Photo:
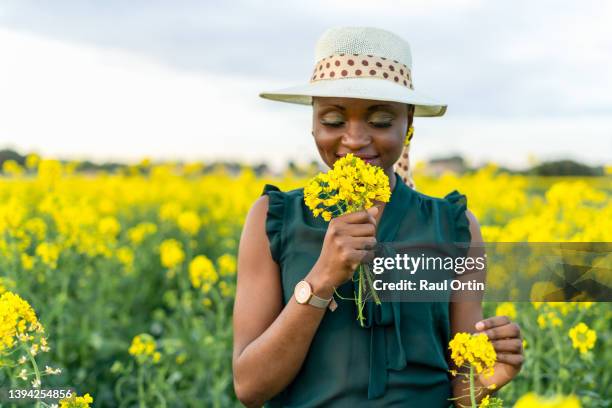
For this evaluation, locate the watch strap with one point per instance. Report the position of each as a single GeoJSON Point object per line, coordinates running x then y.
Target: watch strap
{"type": "Point", "coordinates": [319, 301]}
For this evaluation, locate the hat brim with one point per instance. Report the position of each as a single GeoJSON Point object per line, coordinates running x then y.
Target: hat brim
{"type": "Point", "coordinates": [361, 88]}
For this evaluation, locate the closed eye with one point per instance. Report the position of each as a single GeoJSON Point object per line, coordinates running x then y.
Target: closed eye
{"type": "Point", "coordinates": [381, 124]}
{"type": "Point", "coordinates": [333, 124]}
{"type": "Point", "coordinates": [376, 125]}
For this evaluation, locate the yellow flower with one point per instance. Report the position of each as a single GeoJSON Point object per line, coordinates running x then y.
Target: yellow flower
{"type": "Point", "coordinates": [202, 273]}
{"type": "Point", "coordinates": [352, 185]}
{"type": "Point", "coordinates": [542, 321]}
{"type": "Point", "coordinates": [169, 211]}
{"type": "Point", "coordinates": [125, 255]}
{"type": "Point", "coordinates": [474, 349]}
{"type": "Point", "coordinates": [11, 167]}
{"type": "Point", "coordinates": [27, 262]}
{"type": "Point", "coordinates": [582, 337]}
{"type": "Point", "coordinates": [138, 233]}
{"type": "Point", "coordinates": [109, 226]}
{"type": "Point", "coordinates": [49, 171]}
{"type": "Point", "coordinates": [18, 321]}
{"type": "Point", "coordinates": [37, 227]}
{"type": "Point", "coordinates": [506, 309]}
{"type": "Point", "coordinates": [48, 253]}
{"type": "Point", "coordinates": [32, 160]}
{"type": "Point", "coordinates": [563, 307]}
{"type": "Point", "coordinates": [554, 320]}
{"type": "Point", "coordinates": [171, 253]}
{"type": "Point", "coordinates": [532, 400]}
{"type": "Point", "coordinates": [76, 402]}
{"type": "Point", "coordinates": [484, 402]}
{"type": "Point", "coordinates": [227, 265]}
{"type": "Point", "coordinates": [181, 358]}
{"type": "Point", "coordinates": [226, 289]}
{"type": "Point", "coordinates": [145, 162]}
{"type": "Point", "coordinates": [143, 348]}
{"type": "Point", "coordinates": [189, 222]}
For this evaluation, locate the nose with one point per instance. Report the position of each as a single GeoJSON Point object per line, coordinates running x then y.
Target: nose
{"type": "Point", "coordinates": [356, 135]}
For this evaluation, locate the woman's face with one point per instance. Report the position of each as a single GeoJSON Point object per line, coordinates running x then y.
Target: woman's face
{"type": "Point", "coordinates": [372, 130]}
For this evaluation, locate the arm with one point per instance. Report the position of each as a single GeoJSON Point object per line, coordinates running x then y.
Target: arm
{"type": "Point", "coordinates": [466, 316]}
{"type": "Point", "coordinates": [272, 341]}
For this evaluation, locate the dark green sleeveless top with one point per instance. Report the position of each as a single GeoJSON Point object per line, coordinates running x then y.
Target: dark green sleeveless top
{"type": "Point", "coordinates": [399, 358]}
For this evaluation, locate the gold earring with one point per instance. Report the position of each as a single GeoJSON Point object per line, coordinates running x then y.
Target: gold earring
{"type": "Point", "coordinates": [409, 136]}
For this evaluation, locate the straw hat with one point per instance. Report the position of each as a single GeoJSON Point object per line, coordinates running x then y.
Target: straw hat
{"type": "Point", "coordinates": [361, 62]}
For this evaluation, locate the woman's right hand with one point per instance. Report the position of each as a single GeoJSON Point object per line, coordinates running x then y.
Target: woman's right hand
{"type": "Point", "coordinates": [349, 240]}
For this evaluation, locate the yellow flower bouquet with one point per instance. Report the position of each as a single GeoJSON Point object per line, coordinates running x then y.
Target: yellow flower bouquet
{"type": "Point", "coordinates": [475, 352]}
{"type": "Point", "coordinates": [352, 185]}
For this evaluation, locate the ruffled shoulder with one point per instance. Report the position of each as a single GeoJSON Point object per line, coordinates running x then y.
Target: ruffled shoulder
{"type": "Point", "coordinates": [458, 205]}
{"type": "Point", "coordinates": [275, 219]}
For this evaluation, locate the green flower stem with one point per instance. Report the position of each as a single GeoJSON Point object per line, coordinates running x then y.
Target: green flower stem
{"type": "Point", "coordinates": [141, 392]}
{"type": "Point", "coordinates": [360, 296]}
{"type": "Point", "coordinates": [342, 297]}
{"type": "Point", "coordinates": [371, 284]}
{"type": "Point", "coordinates": [36, 371]}
{"type": "Point", "coordinates": [472, 391]}
{"type": "Point", "coordinates": [537, 370]}
{"type": "Point", "coordinates": [560, 355]}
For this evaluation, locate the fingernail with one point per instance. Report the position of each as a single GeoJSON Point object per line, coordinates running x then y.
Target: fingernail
{"type": "Point", "coordinates": [480, 326]}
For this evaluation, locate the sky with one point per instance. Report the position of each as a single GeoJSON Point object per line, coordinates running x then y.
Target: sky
{"type": "Point", "coordinates": [117, 80]}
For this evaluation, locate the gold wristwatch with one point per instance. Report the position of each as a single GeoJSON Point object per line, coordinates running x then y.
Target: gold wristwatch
{"type": "Point", "coordinates": [303, 295]}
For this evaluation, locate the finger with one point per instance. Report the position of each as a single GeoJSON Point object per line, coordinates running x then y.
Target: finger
{"type": "Point", "coordinates": [359, 217]}
{"type": "Point", "coordinates": [515, 360]}
{"type": "Point", "coordinates": [504, 332]}
{"type": "Point", "coordinates": [492, 322]}
{"type": "Point", "coordinates": [368, 257]}
{"type": "Point", "coordinates": [365, 243]}
{"type": "Point", "coordinates": [361, 230]}
{"type": "Point", "coordinates": [508, 345]}
{"type": "Point", "coordinates": [358, 256]}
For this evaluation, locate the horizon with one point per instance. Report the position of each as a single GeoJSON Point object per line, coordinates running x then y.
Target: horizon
{"type": "Point", "coordinates": [121, 81]}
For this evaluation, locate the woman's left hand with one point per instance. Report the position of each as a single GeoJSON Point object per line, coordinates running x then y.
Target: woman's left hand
{"type": "Point", "coordinates": [508, 344]}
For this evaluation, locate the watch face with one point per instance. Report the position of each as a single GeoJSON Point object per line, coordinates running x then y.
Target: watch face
{"type": "Point", "coordinates": [302, 292]}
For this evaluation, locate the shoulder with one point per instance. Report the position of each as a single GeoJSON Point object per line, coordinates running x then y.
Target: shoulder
{"type": "Point", "coordinates": [456, 202]}
{"type": "Point", "coordinates": [424, 197]}
{"type": "Point", "coordinates": [474, 226]}
{"type": "Point", "coordinates": [275, 192]}
{"type": "Point", "coordinates": [272, 199]}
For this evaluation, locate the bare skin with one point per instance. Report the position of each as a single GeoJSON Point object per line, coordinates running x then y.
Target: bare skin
{"type": "Point", "coordinates": [271, 340]}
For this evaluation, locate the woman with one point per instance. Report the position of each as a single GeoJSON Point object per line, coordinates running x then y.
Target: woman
{"type": "Point", "coordinates": [293, 347]}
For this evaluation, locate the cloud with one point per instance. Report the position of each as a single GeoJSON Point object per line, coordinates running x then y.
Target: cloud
{"type": "Point", "coordinates": [125, 79]}
{"type": "Point", "coordinates": [76, 101]}
{"type": "Point", "coordinates": [485, 58]}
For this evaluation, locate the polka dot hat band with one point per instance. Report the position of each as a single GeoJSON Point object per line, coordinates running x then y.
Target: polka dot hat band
{"type": "Point", "coordinates": [363, 63]}
{"type": "Point", "coordinates": [357, 66]}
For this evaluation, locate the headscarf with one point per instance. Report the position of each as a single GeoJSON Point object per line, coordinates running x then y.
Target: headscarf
{"type": "Point", "coordinates": [402, 167]}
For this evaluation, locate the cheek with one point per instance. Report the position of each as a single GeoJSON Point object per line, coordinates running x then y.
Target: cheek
{"type": "Point", "coordinates": [327, 145]}
{"type": "Point", "coordinates": [390, 146]}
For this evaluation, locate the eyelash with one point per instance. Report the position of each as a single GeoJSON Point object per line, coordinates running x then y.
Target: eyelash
{"type": "Point", "coordinates": [337, 125]}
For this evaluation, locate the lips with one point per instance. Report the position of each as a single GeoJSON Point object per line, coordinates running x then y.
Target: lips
{"type": "Point", "coordinates": [368, 158]}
